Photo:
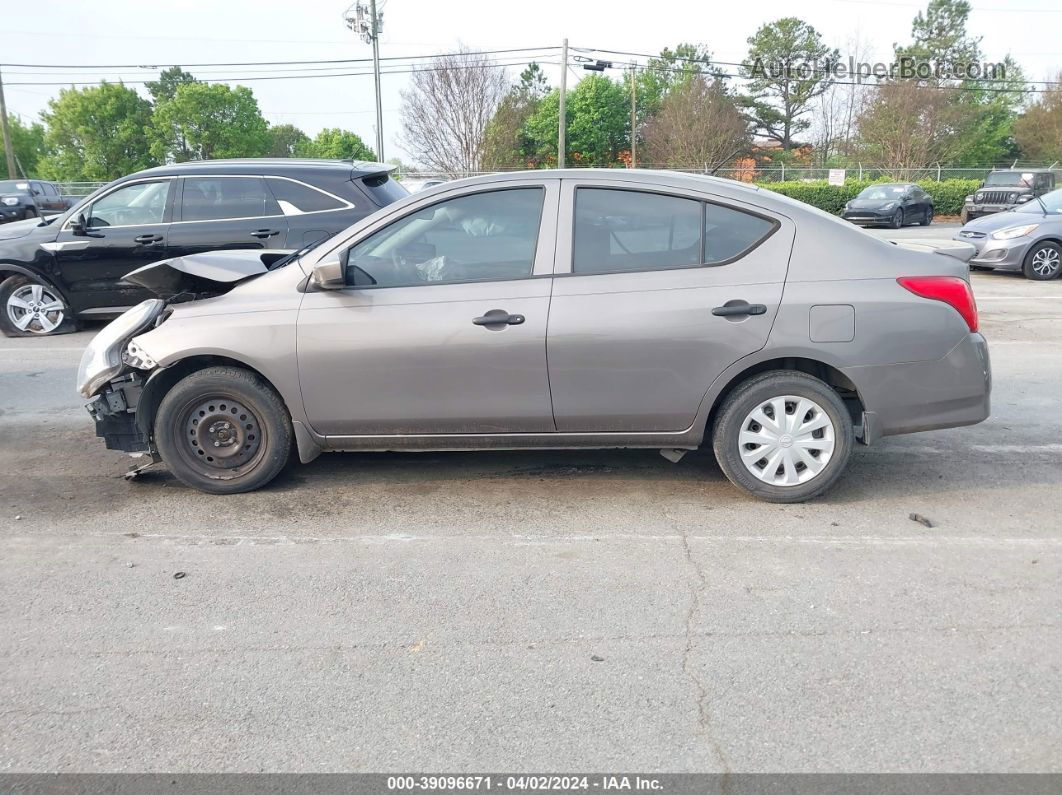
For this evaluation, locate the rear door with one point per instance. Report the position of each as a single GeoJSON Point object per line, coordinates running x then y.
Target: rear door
{"type": "Point", "coordinates": [656, 293]}
{"type": "Point", "coordinates": [215, 212]}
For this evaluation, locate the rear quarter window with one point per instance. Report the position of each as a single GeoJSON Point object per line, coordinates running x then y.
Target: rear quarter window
{"type": "Point", "coordinates": [296, 198]}
{"type": "Point", "coordinates": [729, 233]}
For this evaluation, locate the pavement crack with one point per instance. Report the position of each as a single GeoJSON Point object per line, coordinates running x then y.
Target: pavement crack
{"type": "Point", "coordinates": [704, 715]}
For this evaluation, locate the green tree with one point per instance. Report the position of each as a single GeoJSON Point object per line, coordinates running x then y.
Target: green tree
{"type": "Point", "coordinates": [598, 131]}
{"type": "Point", "coordinates": [672, 69]}
{"type": "Point", "coordinates": [506, 143]}
{"type": "Point", "coordinates": [786, 67]}
{"type": "Point", "coordinates": [336, 144]}
{"type": "Point", "coordinates": [285, 140]}
{"type": "Point", "coordinates": [96, 133]}
{"type": "Point", "coordinates": [982, 112]}
{"type": "Point", "coordinates": [27, 141]}
{"type": "Point", "coordinates": [166, 86]}
{"type": "Point", "coordinates": [1038, 131]}
{"type": "Point", "coordinates": [203, 122]}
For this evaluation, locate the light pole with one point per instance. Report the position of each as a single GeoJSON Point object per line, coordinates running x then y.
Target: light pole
{"type": "Point", "coordinates": [366, 22]}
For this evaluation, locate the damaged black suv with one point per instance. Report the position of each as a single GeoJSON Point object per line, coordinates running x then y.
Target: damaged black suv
{"type": "Point", "coordinates": [56, 271]}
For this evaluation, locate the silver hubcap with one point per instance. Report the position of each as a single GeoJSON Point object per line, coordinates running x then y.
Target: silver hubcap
{"type": "Point", "coordinates": [787, 440]}
{"type": "Point", "coordinates": [35, 308]}
{"type": "Point", "coordinates": [1045, 261]}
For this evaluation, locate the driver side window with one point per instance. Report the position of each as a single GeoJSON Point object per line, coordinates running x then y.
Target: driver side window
{"type": "Point", "coordinates": [488, 236]}
{"type": "Point", "coordinates": [132, 205]}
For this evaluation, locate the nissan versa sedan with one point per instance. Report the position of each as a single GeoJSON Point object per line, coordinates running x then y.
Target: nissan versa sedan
{"type": "Point", "coordinates": [549, 309]}
{"type": "Point", "coordinates": [1027, 239]}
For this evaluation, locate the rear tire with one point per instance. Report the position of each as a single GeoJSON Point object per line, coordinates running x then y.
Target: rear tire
{"type": "Point", "coordinates": [223, 430]}
{"type": "Point", "coordinates": [29, 308]}
{"type": "Point", "coordinates": [1043, 262]}
{"type": "Point", "coordinates": [759, 457]}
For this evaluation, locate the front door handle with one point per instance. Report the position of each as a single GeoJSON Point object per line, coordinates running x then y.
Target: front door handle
{"type": "Point", "coordinates": [147, 240]}
{"type": "Point", "coordinates": [262, 234]}
{"type": "Point", "coordinates": [736, 308]}
{"type": "Point", "coordinates": [498, 317]}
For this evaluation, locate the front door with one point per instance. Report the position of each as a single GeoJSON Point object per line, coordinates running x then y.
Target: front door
{"type": "Point", "coordinates": [662, 292]}
{"type": "Point", "coordinates": [442, 327]}
{"type": "Point", "coordinates": [225, 212]}
{"type": "Point", "coordinates": [124, 229]}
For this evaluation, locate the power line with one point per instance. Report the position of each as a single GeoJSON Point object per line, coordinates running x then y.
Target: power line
{"type": "Point", "coordinates": [274, 63]}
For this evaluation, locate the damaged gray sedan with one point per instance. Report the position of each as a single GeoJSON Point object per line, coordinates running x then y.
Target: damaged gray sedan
{"type": "Point", "coordinates": [549, 309]}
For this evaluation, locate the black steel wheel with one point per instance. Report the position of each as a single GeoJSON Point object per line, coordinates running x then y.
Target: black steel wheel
{"type": "Point", "coordinates": [223, 430]}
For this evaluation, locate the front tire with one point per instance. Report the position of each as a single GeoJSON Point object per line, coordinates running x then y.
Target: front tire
{"type": "Point", "coordinates": [1043, 262]}
{"type": "Point", "coordinates": [897, 220]}
{"type": "Point", "coordinates": [223, 430]}
{"type": "Point", "coordinates": [29, 308]}
{"type": "Point", "coordinates": [783, 436]}
{"type": "Point", "coordinates": [28, 213]}
{"type": "Point", "coordinates": [927, 217]}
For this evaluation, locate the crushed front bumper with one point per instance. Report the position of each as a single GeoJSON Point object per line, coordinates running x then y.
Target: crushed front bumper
{"type": "Point", "coordinates": [114, 412]}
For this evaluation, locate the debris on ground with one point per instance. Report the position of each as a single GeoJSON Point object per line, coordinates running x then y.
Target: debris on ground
{"type": "Point", "coordinates": [179, 575]}
{"type": "Point", "coordinates": [923, 520]}
{"type": "Point", "coordinates": [595, 658]}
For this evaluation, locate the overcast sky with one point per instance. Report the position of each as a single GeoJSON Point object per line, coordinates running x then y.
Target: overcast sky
{"type": "Point", "coordinates": [201, 31]}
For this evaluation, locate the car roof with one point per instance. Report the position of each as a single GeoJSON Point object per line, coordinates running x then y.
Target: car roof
{"type": "Point", "coordinates": [273, 165]}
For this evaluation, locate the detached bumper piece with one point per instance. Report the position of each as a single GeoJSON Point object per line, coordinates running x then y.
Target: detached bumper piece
{"type": "Point", "coordinates": [114, 411]}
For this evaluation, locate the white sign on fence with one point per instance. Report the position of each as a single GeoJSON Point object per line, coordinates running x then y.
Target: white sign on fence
{"type": "Point", "coordinates": [836, 176]}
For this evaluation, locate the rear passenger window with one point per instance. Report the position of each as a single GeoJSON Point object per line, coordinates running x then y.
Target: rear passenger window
{"type": "Point", "coordinates": [218, 198]}
{"type": "Point", "coordinates": [624, 230]}
{"type": "Point", "coordinates": [296, 198]}
{"type": "Point", "coordinates": [729, 233]}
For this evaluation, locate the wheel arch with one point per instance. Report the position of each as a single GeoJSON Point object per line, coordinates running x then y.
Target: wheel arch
{"type": "Point", "coordinates": [162, 380]}
{"type": "Point", "coordinates": [9, 269]}
{"type": "Point", "coordinates": [824, 371]}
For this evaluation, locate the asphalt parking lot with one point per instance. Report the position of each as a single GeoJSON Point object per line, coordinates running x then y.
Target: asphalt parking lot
{"type": "Point", "coordinates": [539, 611]}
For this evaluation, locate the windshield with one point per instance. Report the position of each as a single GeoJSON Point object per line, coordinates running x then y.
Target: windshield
{"type": "Point", "coordinates": [1052, 201]}
{"type": "Point", "coordinates": [13, 186]}
{"type": "Point", "coordinates": [1009, 179]}
{"type": "Point", "coordinates": [883, 192]}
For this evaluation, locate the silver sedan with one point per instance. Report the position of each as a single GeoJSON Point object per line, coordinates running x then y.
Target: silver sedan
{"type": "Point", "coordinates": [1027, 239]}
{"type": "Point", "coordinates": [549, 309]}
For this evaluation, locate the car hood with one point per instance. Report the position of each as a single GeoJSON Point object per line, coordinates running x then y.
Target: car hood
{"type": "Point", "coordinates": [990, 223]}
{"type": "Point", "coordinates": [870, 204]}
{"type": "Point", "coordinates": [203, 275]}
{"type": "Point", "coordinates": [17, 229]}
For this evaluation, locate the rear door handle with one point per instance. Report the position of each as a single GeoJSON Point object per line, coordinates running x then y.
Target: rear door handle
{"type": "Point", "coordinates": [262, 234]}
{"type": "Point", "coordinates": [735, 308]}
{"type": "Point", "coordinates": [147, 240]}
{"type": "Point", "coordinates": [498, 317]}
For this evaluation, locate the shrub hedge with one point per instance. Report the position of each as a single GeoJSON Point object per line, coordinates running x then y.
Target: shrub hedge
{"type": "Point", "coordinates": [947, 194]}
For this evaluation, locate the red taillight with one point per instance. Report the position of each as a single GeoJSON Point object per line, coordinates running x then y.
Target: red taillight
{"type": "Point", "coordinates": [952, 290]}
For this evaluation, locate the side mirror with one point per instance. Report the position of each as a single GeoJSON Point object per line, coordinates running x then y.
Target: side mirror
{"type": "Point", "coordinates": [79, 225]}
{"type": "Point", "coordinates": [330, 275]}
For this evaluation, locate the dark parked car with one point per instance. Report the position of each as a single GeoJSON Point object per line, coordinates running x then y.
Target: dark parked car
{"type": "Point", "coordinates": [72, 266]}
{"type": "Point", "coordinates": [1006, 189]}
{"type": "Point", "coordinates": [891, 205]}
{"type": "Point", "coordinates": [31, 198]}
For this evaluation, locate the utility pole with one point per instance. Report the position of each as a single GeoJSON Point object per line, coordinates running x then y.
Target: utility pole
{"type": "Point", "coordinates": [562, 112]}
{"type": "Point", "coordinates": [634, 119]}
{"type": "Point", "coordinates": [376, 77]}
{"type": "Point", "coordinates": [11, 173]}
{"type": "Point", "coordinates": [366, 22]}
